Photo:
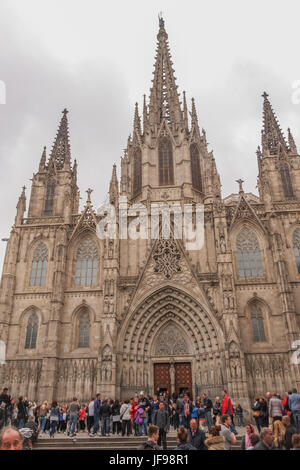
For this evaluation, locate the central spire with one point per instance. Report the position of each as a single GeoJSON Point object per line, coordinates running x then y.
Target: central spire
{"type": "Point", "coordinates": [164, 98]}
{"type": "Point", "coordinates": [272, 136]}
{"type": "Point", "coordinates": [61, 153]}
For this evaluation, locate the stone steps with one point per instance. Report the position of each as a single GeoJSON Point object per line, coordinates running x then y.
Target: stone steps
{"type": "Point", "coordinates": [103, 443]}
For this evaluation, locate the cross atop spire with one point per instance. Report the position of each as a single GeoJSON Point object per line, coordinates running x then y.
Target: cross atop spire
{"type": "Point", "coordinates": [61, 153]}
{"type": "Point", "coordinates": [240, 182]}
{"type": "Point", "coordinates": [272, 136]}
{"type": "Point", "coordinates": [89, 192]}
{"type": "Point", "coordinates": [164, 98]}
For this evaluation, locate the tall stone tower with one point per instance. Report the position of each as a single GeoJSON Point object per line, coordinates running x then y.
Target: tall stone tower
{"type": "Point", "coordinates": [81, 314]}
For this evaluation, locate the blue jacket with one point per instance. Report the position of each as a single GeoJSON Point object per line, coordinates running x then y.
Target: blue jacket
{"type": "Point", "coordinates": [97, 404]}
{"type": "Point", "coordinates": [294, 402]}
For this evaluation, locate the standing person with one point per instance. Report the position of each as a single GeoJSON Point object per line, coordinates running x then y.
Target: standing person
{"type": "Point", "coordinates": [162, 420]}
{"type": "Point", "coordinates": [116, 410]}
{"type": "Point", "coordinates": [133, 412]}
{"type": "Point", "coordinates": [226, 431]}
{"type": "Point", "coordinates": [22, 412]}
{"type": "Point", "coordinates": [74, 412]}
{"type": "Point", "coordinates": [6, 399]}
{"type": "Point", "coordinates": [179, 408]}
{"type": "Point", "coordinates": [185, 411]}
{"type": "Point", "coordinates": [256, 413]}
{"type": "Point", "coordinates": [246, 442]}
{"type": "Point", "coordinates": [105, 413]}
{"type": "Point", "coordinates": [285, 403]}
{"type": "Point", "coordinates": [227, 409]}
{"type": "Point", "coordinates": [264, 412]}
{"type": "Point", "coordinates": [125, 418]}
{"type": "Point", "coordinates": [266, 440]}
{"type": "Point", "coordinates": [54, 418]}
{"type": "Point", "coordinates": [43, 416]}
{"type": "Point", "coordinates": [294, 406]}
{"type": "Point", "coordinates": [207, 405]}
{"type": "Point", "coordinates": [97, 405]}
{"type": "Point", "coordinates": [217, 409]}
{"type": "Point", "coordinates": [240, 415]}
{"type": "Point", "coordinates": [275, 408]}
{"type": "Point", "coordinates": [145, 404]}
{"type": "Point", "coordinates": [90, 417]}
{"type": "Point", "coordinates": [196, 436]}
{"type": "Point", "coordinates": [82, 418]}
{"type": "Point", "coordinates": [154, 407]}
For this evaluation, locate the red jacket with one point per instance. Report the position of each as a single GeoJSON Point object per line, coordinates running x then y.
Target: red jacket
{"type": "Point", "coordinates": [227, 405]}
{"type": "Point", "coordinates": [133, 409]}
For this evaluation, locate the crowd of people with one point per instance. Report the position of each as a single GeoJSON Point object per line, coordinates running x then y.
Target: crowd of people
{"type": "Point", "coordinates": [201, 424]}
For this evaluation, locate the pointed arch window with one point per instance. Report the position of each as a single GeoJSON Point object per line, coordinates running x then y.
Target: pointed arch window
{"type": "Point", "coordinates": [39, 265]}
{"type": "Point", "coordinates": [248, 254]}
{"type": "Point", "coordinates": [87, 264]}
{"type": "Point", "coordinates": [195, 167]}
{"type": "Point", "coordinates": [286, 180]}
{"type": "Point", "coordinates": [137, 171]}
{"type": "Point", "coordinates": [165, 162]}
{"type": "Point", "coordinates": [84, 330]}
{"type": "Point", "coordinates": [32, 331]}
{"type": "Point", "coordinates": [296, 245]}
{"type": "Point", "coordinates": [257, 320]}
{"type": "Point", "coordinates": [50, 193]}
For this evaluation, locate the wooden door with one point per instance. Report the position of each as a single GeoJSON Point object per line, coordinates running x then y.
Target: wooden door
{"type": "Point", "coordinates": [183, 377]}
{"type": "Point", "coordinates": [162, 377]}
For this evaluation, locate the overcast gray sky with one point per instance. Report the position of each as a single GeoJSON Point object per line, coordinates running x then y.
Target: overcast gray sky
{"type": "Point", "coordinates": [96, 58]}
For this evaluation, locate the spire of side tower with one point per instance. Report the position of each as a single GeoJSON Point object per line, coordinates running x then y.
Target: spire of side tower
{"type": "Point", "coordinates": [61, 152]}
{"type": "Point", "coordinates": [272, 136]}
{"type": "Point", "coordinates": [292, 144]}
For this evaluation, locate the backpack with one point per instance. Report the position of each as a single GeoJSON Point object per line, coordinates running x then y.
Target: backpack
{"type": "Point", "coordinates": [138, 417]}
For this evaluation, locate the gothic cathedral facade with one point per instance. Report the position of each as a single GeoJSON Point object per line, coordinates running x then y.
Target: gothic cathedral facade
{"type": "Point", "coordinates": [79, 314]}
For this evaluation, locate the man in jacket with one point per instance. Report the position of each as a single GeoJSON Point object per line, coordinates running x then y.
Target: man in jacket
{"type": "Point", "coordinates": [162, 421]}
{"type": "Point", "coordinates": [196, 436]}
{"type": "Point", "coordinates": [145, 404]}
{"type": "Point", "coordinates": [105, 412]}
{"type": "Point", "coordinates": [5, 398]}
{"type": "Point", "coordinates": [151, 443]}
{"type": "Point", "coordinates": [185, 409]}
{"type": "Point", "coordinates": [266, 440]}
{"type": "Point", "coordinates": [97, 404]}
{"type": "Point", "coordinates": [227, 409]}
{"type": "Point", "coordinates": [207, 405]}
{"type": "Point", "coordinates": [294, 407]}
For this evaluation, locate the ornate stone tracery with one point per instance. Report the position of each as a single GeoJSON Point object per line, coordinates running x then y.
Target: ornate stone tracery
{"type": "Point", "coordinates": [171, 342]}
{"type": "Point", "coordinates": [167, 258]}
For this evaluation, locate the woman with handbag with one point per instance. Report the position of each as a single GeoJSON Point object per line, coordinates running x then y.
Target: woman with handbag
{"type": "Point", "coordinates": [256, 413]}
{"type": "Point", "coordinates": [125, 418]}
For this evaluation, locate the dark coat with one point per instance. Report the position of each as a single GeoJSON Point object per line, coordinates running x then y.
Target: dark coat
{"type": "Point", "coordinates": [197, 440]}
{"type": "Point", "coordinates": [181, 405]}
{"type": "Point", "coordinates": [287, 441]}
{"type": "Point", "coordinates": [185, 446]}
{"type": "Point", "coordinates": [105, 411]}
{"type": "Point", "coordinates": [149, 445]}
{"type": "Point", "coordinates": [262, 446]}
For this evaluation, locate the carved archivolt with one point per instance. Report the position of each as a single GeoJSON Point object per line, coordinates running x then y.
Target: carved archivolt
{"type": "Point", "coordinates": [165, 306]}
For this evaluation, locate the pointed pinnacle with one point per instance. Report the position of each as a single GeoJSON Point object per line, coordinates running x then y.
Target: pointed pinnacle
{"type": "Point", "coordinates": [60, 152]}
{"type": "Point", "coordinates": [292, 144]}
{"type": "Point", "coordinates": [43, 159]}
{"type": "Point", "coordinates": [185, 112]}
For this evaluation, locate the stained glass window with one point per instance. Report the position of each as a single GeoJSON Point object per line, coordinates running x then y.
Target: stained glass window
{"type": "Point", "coordinates": [32, 331]}
{"type": "Point", "coordinates": [49, 202]}
{"type": "Point", "coordinates": [137, 171]}
{"type": "Point", "coordinates": [84, 330]}
{"type": "Point", "coordinates": [165, 159]}
{"type": "Point", "coordinates": [248, 254]}
{"type": "Point", "coordinates": [87, 264]}
{"type": "Point", "coordinates": [39, 265]}
{"type": "Point", "coordinates": [257, 323]}
{"type": "Point", "coordinates": [286, 180]}
{"type": "Point", "coordinates": [195, 167]}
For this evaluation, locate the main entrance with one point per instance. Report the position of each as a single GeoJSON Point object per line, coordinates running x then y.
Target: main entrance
{"type": "Point", "coordinates": [173, 377]}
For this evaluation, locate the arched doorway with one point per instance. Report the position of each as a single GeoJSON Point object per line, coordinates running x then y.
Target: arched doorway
{"type": "Point", "coordinates": [170, 327]}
